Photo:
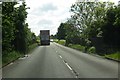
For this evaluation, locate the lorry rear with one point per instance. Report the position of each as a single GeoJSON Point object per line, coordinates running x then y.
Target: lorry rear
{"type": "Point", "coordinates": [45, 37]}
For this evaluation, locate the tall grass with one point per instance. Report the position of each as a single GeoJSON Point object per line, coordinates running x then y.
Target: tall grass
{"type": "Point", "coordinates": [115, 55]}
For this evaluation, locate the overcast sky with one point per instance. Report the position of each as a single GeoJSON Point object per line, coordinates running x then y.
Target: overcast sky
{"type": "Point", "coordinates": [48, 14]}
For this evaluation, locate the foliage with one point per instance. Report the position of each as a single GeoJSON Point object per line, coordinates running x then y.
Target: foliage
{"type": "Point", "coordinates": [8, 25]}
{"type": "Point", "coordinates": [10, 57]}
{"type": "Point", "coordinates": [31, 47]}
{"type": "Point", "coordinates": [53, 36]}
{"type": "Point", "coordinates": [55, 40]}
{"type": "Point", "coordinates": [62, 42]}
{"type": "Point", "coordinates": [93, 20]}
{"type": "Point", "coordinates": [20, 33]}
{"type": "Point", "coordinates": [77, 46]}
{"type": "Point", "coordinates": [91, 50]}
{"type": "Point", "coordinates": [115, 55]}
{"type": "Point", "coordinates": [88, 17]}
{"type": "Point", "coordinates": [61, 32]}
{"type": "Point", "coordinates": [111, 28]}
{"type": "Point", "coordinates": [16, 36]}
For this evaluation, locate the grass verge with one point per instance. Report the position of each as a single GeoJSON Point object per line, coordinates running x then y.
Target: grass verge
{"type": "Point", "coordinates": [115, 56]}
{"type": "Point", "coordinates": [77, 46]}
{"type": "Point", "coordinates": [31, 47]}
{"type": "Point", "coordinates": [62, 42]}
{"type": "Point", "coordinates": [7, 58]}
{"type": "Point", "coordinates": [74, 46]}
{"type": "Point", "coordinates": [92, 50]}
{"type": "Point", "coordinates": [11, 56]}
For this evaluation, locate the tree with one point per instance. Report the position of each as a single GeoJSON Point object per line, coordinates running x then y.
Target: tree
{"type": "Point", "coordinates": [61, 32]}
{"type": "Point", "coordinates": [111, 28]}
{"type": "Point", "coordinates": [7, 25]}
{"type": "Point", "coordinates": [15, 32]}
{"type": "Point", "coordinates": [20, 36]}
{"type": "Point", "coordinates": [89, 16]}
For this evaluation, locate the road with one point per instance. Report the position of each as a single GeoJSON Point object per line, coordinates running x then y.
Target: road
{"type": "Point", "coordinates": [57, 61]}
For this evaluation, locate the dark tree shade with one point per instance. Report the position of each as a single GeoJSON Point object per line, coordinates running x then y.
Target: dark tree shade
{"type": "Point", "coordinates": [61, 32]}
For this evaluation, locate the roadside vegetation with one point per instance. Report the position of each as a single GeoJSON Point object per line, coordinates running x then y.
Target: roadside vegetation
{"type": "Point", "coordinates": [17, 38]}
{"type": "Point", "coordinates": [62, 42]}
{"type": "Point", "coordinates": [13, 55]}
{"type": "Point", "coordinates": [94, 27]}
{"type": "Point", "coordinates": [77, 46]}
{"type": "Point", "coordinates": [115, 56]}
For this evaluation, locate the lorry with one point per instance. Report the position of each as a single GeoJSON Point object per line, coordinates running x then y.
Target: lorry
{"type": "Point", "coordinates": [45, 37]}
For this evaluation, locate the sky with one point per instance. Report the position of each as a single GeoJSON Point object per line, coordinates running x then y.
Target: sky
{"type": "Point", "coordinates": [48, 14]}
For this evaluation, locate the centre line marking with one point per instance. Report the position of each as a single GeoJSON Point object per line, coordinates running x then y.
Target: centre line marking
{"type": "Point", "coordinates": [60, 56]}
{"type": "Point", "coordinates": [68, 66]}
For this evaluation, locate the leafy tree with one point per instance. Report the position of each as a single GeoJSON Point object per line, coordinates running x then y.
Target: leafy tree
{"type": "Point", "coordinates": [91, 22]}
{"type": "Point", "coordinates": [20, 36]}
{"type": "Point", "coordinates": [111, 28]}
{"type": "Point", "coordinates": [72, 34]}
{"type": "Point", "coordinates": [89, 16]}
{"type": "Point", "coordinates": [15, 32]}
{"type": "Point", "coordinates": [7, 25]}
{"type": "Point", "coordinates": [61, 32]}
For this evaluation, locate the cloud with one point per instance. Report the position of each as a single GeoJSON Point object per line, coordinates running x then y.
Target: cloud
{"type": "Point", "coordinates": [47, 14]}
{"type": "Point", "coordinates": [48, 7]}
{"type": "Point", "coordinates": [45, 8]}
{"type": "Point", "coordinates": [44, 21]}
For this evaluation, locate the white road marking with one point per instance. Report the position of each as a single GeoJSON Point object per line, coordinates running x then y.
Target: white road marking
{"type": "Point", "coordinates": [60, 56]}
{"type": "Point", "coordinates": [68, 66]}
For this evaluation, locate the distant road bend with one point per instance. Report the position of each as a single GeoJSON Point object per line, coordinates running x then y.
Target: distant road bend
{"type": "Point", "coordinates": [57, 61]}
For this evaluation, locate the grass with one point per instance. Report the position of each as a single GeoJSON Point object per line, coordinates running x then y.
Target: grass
{"type": "Point", "coordinates": [114, 55]}
{"type": "Point", "coordinates": [74, 46]}
{"type": "Point", "coordinates": [62, 42]}
{"type": "Point", "coordinates": [91, 49]}
{"type": "Point", "coordinates": [10, 57]}
{"type": "Point", "coordinates": [31, 47]}
{"type": "Point", "coordinates": [55, 40]}
{"type": "Point", "coordinates": [77, 46]}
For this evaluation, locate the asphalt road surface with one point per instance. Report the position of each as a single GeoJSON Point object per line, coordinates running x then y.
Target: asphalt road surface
{"type": "Point", "coordinates": [57, 61]}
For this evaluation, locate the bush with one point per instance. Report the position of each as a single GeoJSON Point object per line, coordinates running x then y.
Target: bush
{"type": "Point", "coordinates": [77, 46]}
{"type": "Point", "coordinates": [91, 50]}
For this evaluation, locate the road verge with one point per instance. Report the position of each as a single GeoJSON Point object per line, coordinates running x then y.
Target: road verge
{"type": "Point", "coordinates": [106, 57]}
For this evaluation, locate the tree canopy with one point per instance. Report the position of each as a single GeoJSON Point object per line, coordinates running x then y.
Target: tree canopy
{"type": "Point", "coordinates": [92, 20]}
{"type": "Point", "coordinates": [15, 32]}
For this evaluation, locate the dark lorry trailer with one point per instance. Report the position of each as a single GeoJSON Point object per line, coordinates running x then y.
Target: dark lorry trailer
{"type": "Point", "coordinates": [45, 37]}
